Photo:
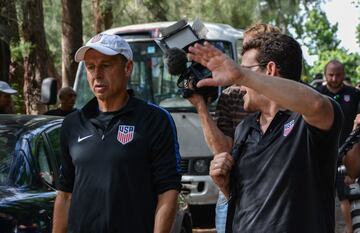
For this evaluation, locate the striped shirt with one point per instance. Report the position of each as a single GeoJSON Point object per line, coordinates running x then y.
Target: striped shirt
{"type": "Point", "coordinates": [229, 110]}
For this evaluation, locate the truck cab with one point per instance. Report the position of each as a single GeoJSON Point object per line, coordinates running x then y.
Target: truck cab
{"type": "Point", "coordinates": [151, 82]}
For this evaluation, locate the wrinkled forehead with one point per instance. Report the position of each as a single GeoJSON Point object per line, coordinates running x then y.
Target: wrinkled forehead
{"type": "Point", "coordinates": [93, 56]}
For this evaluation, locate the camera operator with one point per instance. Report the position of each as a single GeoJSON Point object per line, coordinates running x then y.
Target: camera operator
{"type": "Point", "coordinates": [219, 132]}
{"type": "Point", "coordinates": [280, 176]}
{"type": "Point", "coordinates": [352, 158]}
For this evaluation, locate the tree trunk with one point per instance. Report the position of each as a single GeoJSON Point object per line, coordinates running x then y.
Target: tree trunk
{"type": "Point", "coordinates": [158, 8]}
{"type": "Point", "coordinates": [5, 60]}
{"type": "Point", "coordinates": [36, 59]}
{"type": "Point", "coordinates": [71, 39]}
{"type": "Point", "coordinates": [103, 16]}
{"type": "Point", "coordinates": [96, 10]}
{"type": "Point", "coordinates": [107, 15]}
{"type": "Point", "coordinates": [9, 33]}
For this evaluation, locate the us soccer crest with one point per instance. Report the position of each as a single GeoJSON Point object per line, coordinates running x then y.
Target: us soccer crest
{"type": "Point", "coordinates": [125, 133]}
{"type": "Point", "coordinates": [346, 98]}
{"type": "Point", "coordinates": [288, 127]}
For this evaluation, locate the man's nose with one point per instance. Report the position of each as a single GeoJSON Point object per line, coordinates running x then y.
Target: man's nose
{"type": "Point", "coordinates": [333, 78]}
{"type": "Point", "coordinates": [98, 72]}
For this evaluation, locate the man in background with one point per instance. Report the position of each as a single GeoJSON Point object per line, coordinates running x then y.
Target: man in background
{"type": "Point", "coordinates": [6, 91]}
{"type": "Point", "coordinates": [67, 98]}
{"type": "Point", "coordinates": [349, 99]}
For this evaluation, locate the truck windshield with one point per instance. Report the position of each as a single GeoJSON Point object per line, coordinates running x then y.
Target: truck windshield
{"type": "Point", "coordinates": [150, 80]}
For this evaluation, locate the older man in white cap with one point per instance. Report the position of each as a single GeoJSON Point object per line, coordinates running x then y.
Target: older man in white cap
{"type": "Point", "coordinates": [120, 156]}
{"type": "Point", "coordinates": [5, 98]}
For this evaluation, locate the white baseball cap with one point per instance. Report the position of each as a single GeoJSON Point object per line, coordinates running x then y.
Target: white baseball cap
{"type": "Point", "coordinates": [106, 44]}
{"type": "Point", "coordinates": [4, 87]}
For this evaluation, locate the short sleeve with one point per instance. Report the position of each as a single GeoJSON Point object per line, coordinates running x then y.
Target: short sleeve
{"type": "Point", "coordinates": [328, 140]}
{"type": "Point", "coordinates": [67, 169]}
{"type": "Point", "coordinates": [165, 153]}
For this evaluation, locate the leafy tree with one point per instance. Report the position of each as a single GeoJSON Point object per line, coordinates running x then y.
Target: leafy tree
{"type": "Point", "coordinates": [71, 39]}
{"type": "Point", "coordinates": [319, 35]}
{"type": "Point", "coordinates": [320, 38]}
{"type": "Point", "coordinates": [102, 14]}
{"type": "Point", "coordinates": [9, 33]}
{"type": "Point", "coordinates": [36, 60]}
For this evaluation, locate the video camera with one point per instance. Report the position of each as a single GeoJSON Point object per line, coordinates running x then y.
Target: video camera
{"type": "Point", "coordinates": [175, 42]}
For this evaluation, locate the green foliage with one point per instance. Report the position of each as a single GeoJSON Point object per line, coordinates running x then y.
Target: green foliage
{"type": "Point", "coordinates": [18, 100]}
{"type": "Point", "coordinates": [320, 38]}
{"type": "Point", "coordinates": [319, 35]}
{"type": "Point", "coordinates": [20, 50]}
{"type": "Point", "coordinates": [52, 21]}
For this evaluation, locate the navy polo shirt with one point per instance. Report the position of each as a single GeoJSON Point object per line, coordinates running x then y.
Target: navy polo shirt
{"type": "Point", "coordinates": [115, 174]}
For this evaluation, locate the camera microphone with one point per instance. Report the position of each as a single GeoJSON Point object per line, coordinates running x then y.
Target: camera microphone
{"type": "Point", "coordinates": [175, 61]}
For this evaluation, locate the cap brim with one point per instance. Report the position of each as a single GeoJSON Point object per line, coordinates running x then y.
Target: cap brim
{"type": "Point", "coordinates": [80, 53]}
{"type": "Point", "coordinates": [9, 91]}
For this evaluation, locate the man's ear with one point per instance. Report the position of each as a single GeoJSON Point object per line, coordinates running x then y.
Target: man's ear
{"type": "Point", "coordinates": [271, 69]}
{"type": "Point", "coordinates": [128, 68]}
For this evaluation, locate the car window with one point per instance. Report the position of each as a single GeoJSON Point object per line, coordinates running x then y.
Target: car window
{"type": "Point", "coordinates": [54, 141]}
{"type": "Point", "coordinates": [45, 171]}
{"type": "Point", "coordinates": [20, 172]}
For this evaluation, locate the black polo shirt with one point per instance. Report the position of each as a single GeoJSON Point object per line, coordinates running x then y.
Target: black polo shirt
{"type": "Point", "coordinates": [283, 181]}
{"type": "Point", "coordinates": [115, 174]}
{"type": "Point", "coordinates": [349, 99]}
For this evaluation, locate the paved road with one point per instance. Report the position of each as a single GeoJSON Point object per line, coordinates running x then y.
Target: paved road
{"type": "Point", "coordinates": [340, 226]}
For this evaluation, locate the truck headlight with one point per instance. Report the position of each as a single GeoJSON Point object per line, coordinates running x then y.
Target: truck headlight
{"type": "Point", "coordinates": [201, 166]}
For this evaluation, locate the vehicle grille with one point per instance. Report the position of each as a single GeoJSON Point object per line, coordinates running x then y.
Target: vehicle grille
{"type": "Point", "coordinates": [184, 166]}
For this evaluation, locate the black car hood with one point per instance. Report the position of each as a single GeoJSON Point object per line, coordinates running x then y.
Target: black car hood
{"type": "Point", "coordinates": [10, 194]}
{"type": "Point", "coordinates": [6, 192]}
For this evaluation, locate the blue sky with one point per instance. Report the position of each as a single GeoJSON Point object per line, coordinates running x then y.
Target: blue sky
{"type": "Point", "coordinates": [348, 16]}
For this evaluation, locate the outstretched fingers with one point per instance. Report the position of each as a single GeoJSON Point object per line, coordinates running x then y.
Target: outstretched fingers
{"type": "Point", "coordinates": [203, 53]}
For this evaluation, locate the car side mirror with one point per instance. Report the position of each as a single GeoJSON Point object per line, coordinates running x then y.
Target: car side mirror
{"type": "Point", "coordinates": [49, 91]}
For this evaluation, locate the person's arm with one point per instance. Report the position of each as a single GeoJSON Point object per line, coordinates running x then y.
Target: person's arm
{"type": "Point", "coordinates": [214, 137]}
{"type": "Point", "coordinates": [315, 108]}
{"type": "Point", "coordinates": [165, 211]}
{"type": "Point", "coordinates": [61, 212]}
{"type": "Point", "coordinates": [352, 161]}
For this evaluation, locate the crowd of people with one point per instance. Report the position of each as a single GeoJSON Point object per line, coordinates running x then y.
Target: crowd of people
{"type": "Point", "coordinates": [275, 142]}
